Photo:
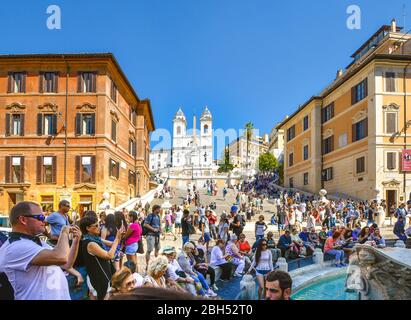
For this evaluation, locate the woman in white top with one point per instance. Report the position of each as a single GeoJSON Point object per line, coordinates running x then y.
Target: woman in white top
{"type": "Point", "coordinates": [263, 264]}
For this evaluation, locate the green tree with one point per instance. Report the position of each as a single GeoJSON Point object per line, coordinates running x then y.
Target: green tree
{"type": "Point", "coordinates": [280, 171]}
{"type": "Point", "coordinates": [267, 162]}
{"type": "Point", "coordinates": [226, 166]}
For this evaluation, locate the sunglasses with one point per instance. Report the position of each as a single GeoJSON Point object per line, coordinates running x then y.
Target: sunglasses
{"type": "Point", "coordinates": [39, 217]}
{"type": "Point", "coordinates": [94, 225]}
{"type": "Point", "coordinates": [263, 244]}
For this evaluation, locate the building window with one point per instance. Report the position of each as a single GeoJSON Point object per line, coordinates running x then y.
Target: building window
{"type": "Point", "coordinates": [359, 92]}
{"type": "Point", "coordinates": [391, 122]}
{"type": "Point", "coordinates": [291, 181]}
{"type": "Point", "coordinates": [46, 169]}
{"type": "Point", "coordinates": [114, 169]}
{"type": "Point", "coordinates": [360, 165]}
{"type": "Point", "coordinates": [291, 133]}
{"type": "Point", "coordinates": [328, 174]}
{"type": "Point", "coordinates": [14, 124]}
{"type": "Point", "coordinates": [291, 159]}
{"type": "Point", "coordinates": [87, 82]}
{"type": "Point", "coordinates": [360, 130]}
{"type": "Point", "coordinates": [85, 169]}
{"type": "Point", "coordinates": [85, 123]}
{"type": "Point", "coordinates": [305, 152]}
{"type": "Point", "coordinates": [178, 130]}
{"type": "Point", "coordinates": [47, 203]}
{"type": "Point", "coordinates": [390, 81]}
{"type": "Point", "coordinates": [46, 124]}
{"type": "Point", "coordinates": [305, 123]}
{"type": "Point", "coordinates": [205, 129]}
{"type": "Point", "coordinates": [113, 130]}
{"type": "Point", "coordinates": [342, 140]}
{"type": "Point", "coordinates": [17, 82]}
{"type": "Point", "coordinates": [132, 147]}
{"type": "Point", "coordinates": [327, 113]}
{"type": "Point", "coordinates": [305, 178]}
{"type": "Point", "coordinates": [48, 82]}
{"type": "Point", "coordinates": [14, 169]}
{"type": "Point", "coordinates": [133, 116]}
{"type": "Point", "coordinates": [391, 160]}
{"type": "Point", "coordinates": [328, 145]}
{"type": "Point", "coordinates": [113, 91]}
{"type": "Point", "coordinates": [132, 177]}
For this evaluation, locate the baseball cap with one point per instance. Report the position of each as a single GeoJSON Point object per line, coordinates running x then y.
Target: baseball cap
{"type": "Point", "coordinates": [169, 250]}
{"type": "Point", "coordinates": [234, 209]}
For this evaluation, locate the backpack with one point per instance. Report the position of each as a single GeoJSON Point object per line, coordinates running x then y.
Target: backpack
{"type": "Point", "coordinates": [144, 229]}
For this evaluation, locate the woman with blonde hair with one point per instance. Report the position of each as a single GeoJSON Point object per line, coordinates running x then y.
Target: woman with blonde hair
{"type": "Point", "coordinates": [123, 281]}
{"type": "Point", "coordinates": [157, 268]}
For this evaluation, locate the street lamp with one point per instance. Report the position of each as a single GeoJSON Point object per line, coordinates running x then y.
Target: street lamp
{"type": "Point", "coordinates": [138, 183]}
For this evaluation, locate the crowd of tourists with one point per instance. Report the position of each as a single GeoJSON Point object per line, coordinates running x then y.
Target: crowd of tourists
{"type": "Point", "coordinates": [95, 256]}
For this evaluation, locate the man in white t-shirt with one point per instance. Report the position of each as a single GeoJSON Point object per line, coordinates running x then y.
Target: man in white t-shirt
{"type": "Point", "coordinates": [33, 268]}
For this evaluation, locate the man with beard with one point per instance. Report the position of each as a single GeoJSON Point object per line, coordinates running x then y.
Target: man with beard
{"type": "Point", "coordinates": [278, 285]}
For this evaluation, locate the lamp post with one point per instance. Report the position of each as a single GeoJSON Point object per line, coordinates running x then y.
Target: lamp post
{"type": "Point", "coordinates": [138, 183]}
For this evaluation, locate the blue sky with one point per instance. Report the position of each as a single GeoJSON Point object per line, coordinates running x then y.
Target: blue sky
{"type": "Point", "coordinates": [246, 60]}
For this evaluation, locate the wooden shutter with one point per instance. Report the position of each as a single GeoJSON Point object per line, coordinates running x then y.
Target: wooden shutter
{"type": "Point", "coordinates": [390, 122]}
{"type": "Point", "coordinates": [77, 169]}
{"type": "Point", "coordinates": [39, 124]}
{"type": "Point", "coordinates": [391, 160]}
{"type": "Point", "coordinates": [7, 124]}
{"type": "Point", "coordinates": [7, 170]}
{"type": "Point", "coordinates": [54, 131]}
{"type": "Point", "coordinates": [80, 82]}
{"type": "Point", "coordinates": [22, 116]}
{"type": "Point", "coordinates": [93, 169]}
{"type": "Point", "coordinates": [118, 170]}
{"type": "Point", "coordinates": [365, 87]}
{"type": "Point", "coordinates": [113, 130]}
{"type": "Point", "coordinates": [23, 82]}
{"type": "Point", "coordinates": [353, 95]}
{"type": "Point", "coordinates": [109, 167]}
{"type": "Point", "coordinates": [41, 82]}
{"type": "Point", "coordinates": [21, 169]}
{"type": "Point", "coordinates": [93, 124]}
{"type": "Point", "coordinates": [10, 82]}
{"type": "Point", "coordinates": [54, 170]}
{"type": "Point", "coordinates": [56, 82]}
{"type": "Point", "coordinates": [353, 133]}
{"type": "Point", "coordinates": [94, 82]}
{"type": "Point", "coordinates": [39, 174]}
{"type": "Point", "coordinates": [331, 143]}
{"type": "Point", "coordinates": [366, 126]}
{"type": "Point", "coordinates": [78, 124]}
{"type": "Point", "coordinates": [332, 110]}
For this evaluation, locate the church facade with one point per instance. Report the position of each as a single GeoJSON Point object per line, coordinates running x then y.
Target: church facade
{"type": "Point", "coordinates": [191, 148]}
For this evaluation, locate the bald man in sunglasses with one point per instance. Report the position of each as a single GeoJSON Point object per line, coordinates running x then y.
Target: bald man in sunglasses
{"type": "Point", "coordinates": [34, 268]}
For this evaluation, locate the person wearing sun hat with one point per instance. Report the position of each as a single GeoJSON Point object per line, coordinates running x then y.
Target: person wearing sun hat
{"type": "Point", "coordinates": [175, 276]}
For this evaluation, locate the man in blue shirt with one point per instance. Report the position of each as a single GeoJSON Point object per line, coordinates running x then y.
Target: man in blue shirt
{"type": "Point", "coordinates": [284, 243]}
{"type": "Point", "coordinates": [57, 220]}
{"type": "Point", "coordinates": [153, 226]}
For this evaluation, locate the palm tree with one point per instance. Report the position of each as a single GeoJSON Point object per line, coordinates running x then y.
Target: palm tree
{"type": "Point", "coordinates": [249, 127]}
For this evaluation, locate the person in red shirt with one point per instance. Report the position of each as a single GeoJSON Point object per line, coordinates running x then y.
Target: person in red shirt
{"type": "Point", "coordinates": [212, 219]}
{"type": "Point", "coordinates": [245, 250]}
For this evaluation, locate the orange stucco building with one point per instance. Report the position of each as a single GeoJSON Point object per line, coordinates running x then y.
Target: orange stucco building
{"type": "Point", "coordinates": [349, 138]}
{"type": "Point", "coordinates": [71, 127]}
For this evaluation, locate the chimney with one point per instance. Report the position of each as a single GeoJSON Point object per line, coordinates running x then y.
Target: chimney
{"type": "Point", "coordinates": [393, 25]}
{"type": "Point", "coordinates": [340, 72]}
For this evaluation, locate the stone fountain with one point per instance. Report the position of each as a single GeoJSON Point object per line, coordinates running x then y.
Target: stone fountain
{"type": "Point", "coordinates": [380, 274]}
